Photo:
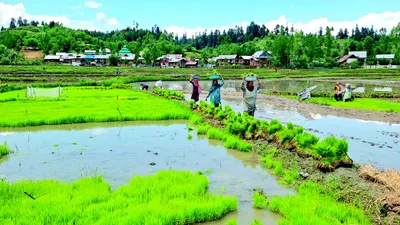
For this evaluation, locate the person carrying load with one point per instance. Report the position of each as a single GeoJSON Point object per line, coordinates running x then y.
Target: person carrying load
{"type": "Point", "coordinates": [250, 93]}
{"type": "Point", "coordinates": [194, 80]}
{"type": "Point", "coordinates": [214, 92]}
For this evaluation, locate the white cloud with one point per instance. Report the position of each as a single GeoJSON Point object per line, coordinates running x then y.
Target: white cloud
{"type": "Point", "coordinates": [386, 20]}
{"type": "Point", "coordinates": [93, 4]}
{"type": "Point", "coordinates": [102, 18]}
{"type": "Point", "coordinates": [74, 7]}
{"type": "Point", "coordinates": [8, 11]}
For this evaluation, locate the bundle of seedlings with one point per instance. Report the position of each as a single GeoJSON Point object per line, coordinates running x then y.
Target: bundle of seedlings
{"type": "Point", "coordinates": [169, 94]}
{"type": "Point", "coordinates": [330, 153]}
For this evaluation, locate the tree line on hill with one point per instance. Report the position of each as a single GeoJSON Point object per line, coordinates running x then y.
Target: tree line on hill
{"type": "Point", "coordinates": [290, 47]}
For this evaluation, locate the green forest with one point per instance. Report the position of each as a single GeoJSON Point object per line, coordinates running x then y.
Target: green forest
{"type": "Point", "coordinates": [290, 48]}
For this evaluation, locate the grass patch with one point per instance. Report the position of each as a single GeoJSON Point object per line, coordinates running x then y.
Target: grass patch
{"type": "Point", "coordinates": [90, 104]}
{"type": "Point", "coordinates": [4, 150]}
{"type": "Point", "coordinates": [371, 104]}
{"type": "Point", "coordinates": [169, 197]}
{"type": "Point", "coordinates": [315, 205]}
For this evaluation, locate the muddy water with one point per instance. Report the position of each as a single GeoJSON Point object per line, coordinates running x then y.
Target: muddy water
{"type": "Point", "coordinates": [284, 85]}
{"type": "Point", "coordinates": [119, 152]}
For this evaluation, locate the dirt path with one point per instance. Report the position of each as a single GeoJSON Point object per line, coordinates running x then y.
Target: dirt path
{"type": "Point", "coordinates": [307, 108]}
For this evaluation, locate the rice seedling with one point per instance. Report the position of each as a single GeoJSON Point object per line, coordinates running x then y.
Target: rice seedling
{"type": "Point", "coordinates": [274, 126]}
{"type": "Point", "coordinates": [315, 205]}
{"type": "Point", "coordinates": [259, 200]}
{"type": "Point", "coordinates": [4, 150]}
{"type": "Point", "coordinates": [74, 143]}
{"type": "Point", "coordinates": [203, 129]}
{"type": "Point", "coordinates": [169, 197]}
{"type": "Point", "coordinates": [169, 94]}
{"type": "Point", "coordinates": [86, 105]}
{"type": "Point", "coordinates": [256, 222]}
{"type": "Point", "coordinates": [306, 141]}
{"type": "Point", "coordinates": [331, 148]}
{"type": "Point", "coordinates": [232, 222]}
{"type": "Point", "coordinates": [190, 137]}
{"type": "Point", "coordinates": [230, 141]}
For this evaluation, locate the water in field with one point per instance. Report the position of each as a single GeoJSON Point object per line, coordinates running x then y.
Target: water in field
{"type": "Point", "coordinates": [370, 142]}
{"type": "Point", "coordinates": [121, 150]}
{"type": "Point", "coordinates": [284, 85]}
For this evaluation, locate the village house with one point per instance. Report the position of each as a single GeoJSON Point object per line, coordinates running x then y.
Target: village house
{"type": "Point", "coordinates": [171, 60]}
{"type": "Point", "coordinates": [262, 57]}
{"type": "Point", "coordinates": [388, 57]}
{"type": "Point", "coordinates": [52, 59]}
{"type": "Point", "coordinates": [101, 60]}
{"type": "Point", "coordinates": [192, 64]}
{"type": "Point", "coordinates": [178, 63]}
{"type": "Point", "coordinates": [248, 61]}
{"type": "Point", "coordinates": [127, 57]}
{"type": "Point", "coordinates": [347, 59]}
{"type": "Point", "coordinates": [228, 59]}
{"type": "Point", "coordinates": [90, 52]}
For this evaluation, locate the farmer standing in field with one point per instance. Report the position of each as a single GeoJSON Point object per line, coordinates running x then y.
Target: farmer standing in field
{"type": "Point", "coordinates": [194, 80]}
{"type": "Point", "coordinates": [214, 93]}
{"type": "Point", "coordinates": [250, 95]}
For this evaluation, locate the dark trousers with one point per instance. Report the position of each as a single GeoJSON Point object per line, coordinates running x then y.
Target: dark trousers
{"type": "Point", "coordinates": [251, 113]}
{"type": "Point", "coordinates": [338, 97]}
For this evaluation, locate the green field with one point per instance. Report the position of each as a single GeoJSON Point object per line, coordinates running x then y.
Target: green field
{"type": "Point", "coordinates": [178, 73]}
{"type": "Point", "coordinates": [87, 105]}
{"type": "Point", "coordinates": [371, 104]}
{"type": "Point", "coordinates": [167, 198]}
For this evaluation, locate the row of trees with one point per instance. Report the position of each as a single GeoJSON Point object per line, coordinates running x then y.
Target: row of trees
{"type": "Point", "coordinates": [290, 48]}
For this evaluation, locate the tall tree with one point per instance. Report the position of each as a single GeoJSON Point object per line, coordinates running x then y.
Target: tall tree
{"type": "Point", "coordinates": [20, 22]}
{"type": "Point", "coordinates": [13, 23]}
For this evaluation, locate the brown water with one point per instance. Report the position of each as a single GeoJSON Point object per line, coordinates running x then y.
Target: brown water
{"type": "Point", "coordinates": [121, 150]}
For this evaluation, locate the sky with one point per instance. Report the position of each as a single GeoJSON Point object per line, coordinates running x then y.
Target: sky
{"type": "Point", "coordinates": [197, 16]}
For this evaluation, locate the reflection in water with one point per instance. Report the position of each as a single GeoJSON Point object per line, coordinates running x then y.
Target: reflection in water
{"type": "Point", "coordinates": [118, 152]}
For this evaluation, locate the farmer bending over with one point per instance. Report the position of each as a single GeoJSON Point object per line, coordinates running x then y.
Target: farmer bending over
{"type": "Point", "coordinates": [144, 86]}
{"type": "Point", "coordinates": [337, 92]}
{"type": "Point", "coordinates": [214, 92]}
{"type": "Point", "coordinates": [250, 95]}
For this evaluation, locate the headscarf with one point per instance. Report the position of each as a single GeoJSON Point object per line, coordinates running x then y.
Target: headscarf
{"type": "Point", "coordinates": [248, 86]}
{"type": "Point", "coordinates": [197, 84]}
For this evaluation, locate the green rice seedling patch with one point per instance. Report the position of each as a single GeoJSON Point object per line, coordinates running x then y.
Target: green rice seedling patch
{"type": "Point", "coordinates": [91, 105]}
{"type": "Point", "coordinates": [169, 94]}
{"type": "Point", "coordinates": [371, 104]}
{"type": "Point", "coordinates": [260, 201]}
{"type": "Point", "coordinates": [169, 197]}
{"type": "Point", "coordinates": [232, 222]}
{"type": "Point", "coordinates": [315, 205]}
{"type": "Point", "coordinates": [4, 150]}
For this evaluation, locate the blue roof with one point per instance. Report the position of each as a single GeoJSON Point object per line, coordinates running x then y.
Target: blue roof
{"type": "Point", "coordinates": [88, 57]}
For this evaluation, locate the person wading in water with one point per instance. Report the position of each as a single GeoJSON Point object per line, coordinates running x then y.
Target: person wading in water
{"type": "Point", "coordinates": [250, 95]}
{"type": "Point", "coordinates": [214, 93]}
{"type": "Point", "coordinates": [196, 88]}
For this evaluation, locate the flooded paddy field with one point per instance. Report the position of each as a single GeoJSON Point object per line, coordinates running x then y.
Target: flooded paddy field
{"type": "Point", "coordinates": [119, 151]}
{"type": "Point", "coordinates": [292, 85]}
